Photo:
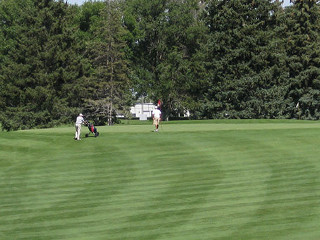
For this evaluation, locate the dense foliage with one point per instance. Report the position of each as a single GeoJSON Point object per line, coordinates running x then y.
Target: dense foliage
{"type": "Point", "coordinates": [213, 58]}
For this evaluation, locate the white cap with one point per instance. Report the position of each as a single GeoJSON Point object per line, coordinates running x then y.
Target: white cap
{"type": "Point", "coordinates": [80, 114]}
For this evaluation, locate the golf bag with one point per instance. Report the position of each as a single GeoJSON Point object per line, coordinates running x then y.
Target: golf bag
{"type": "Point", "coordinates": [92, 129]}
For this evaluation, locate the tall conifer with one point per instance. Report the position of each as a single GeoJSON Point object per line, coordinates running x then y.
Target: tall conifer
{"type": "Point", "coordinates": [303, 51]}
{"type": "Point", "coordinates": [109, 85]}
{"type": "Point", "coordinates": [244, 60]}
{"type": "Point", "coordinates": [39, 64]}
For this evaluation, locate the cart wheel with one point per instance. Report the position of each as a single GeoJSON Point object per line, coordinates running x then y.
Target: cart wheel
{"type": "Point", "coordinates": [87, 135]}
{"type": "Point", "coordinates": [97, 134]}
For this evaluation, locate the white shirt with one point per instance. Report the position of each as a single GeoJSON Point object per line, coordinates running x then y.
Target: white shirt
{"type": "Point", "coordinates": [156, 113]}
{"type": "Point", "coordinates": [79, 120]}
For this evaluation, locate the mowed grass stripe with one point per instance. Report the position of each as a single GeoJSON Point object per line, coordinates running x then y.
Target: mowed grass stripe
{"type": "Point", "coordinates": [238, 186]}
{"type": "Point", "coordinates": [227, 193]}
{"type": "Point", "coordinates": [191, 187]}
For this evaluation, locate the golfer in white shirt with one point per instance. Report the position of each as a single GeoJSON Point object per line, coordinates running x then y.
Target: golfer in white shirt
{"type": "Point", "coordinates": [156, 115]}
{"type": "Point", "coordinates": [79, 121]}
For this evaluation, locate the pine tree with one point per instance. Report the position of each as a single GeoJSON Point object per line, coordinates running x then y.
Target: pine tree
{"type": "Point", "coordinates": [39, 66]}
{"type": "Point", "coordinates": [244, 60]}
{"type": "Point", "coordinates": [303, 51]}
{"type": "Point", "coordinates": [109, 85]}
{"type": "Point", "coordinates": [12, 71]}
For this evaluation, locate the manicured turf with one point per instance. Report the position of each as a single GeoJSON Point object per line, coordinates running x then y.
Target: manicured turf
{"type": "Point", "coordinates": [191, 181]}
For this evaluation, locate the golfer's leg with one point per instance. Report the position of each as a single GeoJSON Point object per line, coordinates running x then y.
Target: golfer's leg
{"type": "Point", "coordinates": [79, 131]}
{"type": "Point", "coordinates": [154, 123]}
{"type": "Point", "coordinates": [76, 133]}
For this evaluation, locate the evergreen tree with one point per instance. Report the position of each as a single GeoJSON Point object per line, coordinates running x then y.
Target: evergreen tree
{"type": "Point", "coordinates": [12, 74]}
{"type": "Point", "coordinates": [40, 66]}
{"type": "Point", "coordinates": [244, 59]}
{"type": "Point", "coordinates": [109, 85]}
{"type": "Point", "coordinates": [303, 51]}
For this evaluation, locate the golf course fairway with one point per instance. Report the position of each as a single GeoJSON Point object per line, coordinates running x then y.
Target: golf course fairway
{"type": "Point", "coordinates": [193, 180]}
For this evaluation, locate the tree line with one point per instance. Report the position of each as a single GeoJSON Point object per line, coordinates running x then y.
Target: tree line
{"type": "Point", "coordinates": [213, 58]}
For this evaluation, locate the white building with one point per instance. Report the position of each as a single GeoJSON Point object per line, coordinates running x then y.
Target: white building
{"type": "Point", "coordinates": [142, 110]}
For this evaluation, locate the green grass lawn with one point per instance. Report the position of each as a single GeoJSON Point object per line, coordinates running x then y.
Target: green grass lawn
{"type": "Point", "coordinates": [194, 180]}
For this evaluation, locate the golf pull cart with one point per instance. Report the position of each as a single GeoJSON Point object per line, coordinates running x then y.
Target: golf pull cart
{"type": "Point", "coordinates": [92, 129]}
